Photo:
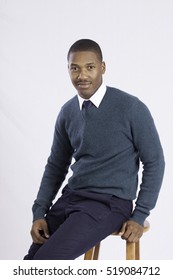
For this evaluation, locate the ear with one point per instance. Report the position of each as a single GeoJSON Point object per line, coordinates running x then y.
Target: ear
{"type": "Point", "coordinates": [103, 67]}
{"type": "Point", "coordinates": [68, 67]}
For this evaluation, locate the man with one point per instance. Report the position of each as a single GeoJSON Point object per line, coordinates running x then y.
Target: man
{"type": "Point", "coordinates": [108, 132]}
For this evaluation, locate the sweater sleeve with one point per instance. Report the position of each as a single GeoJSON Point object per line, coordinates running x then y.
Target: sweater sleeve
{"type": "Point", "coordinates": [147, 143]}
{"type": "Point", "coordinates": [55, 171]}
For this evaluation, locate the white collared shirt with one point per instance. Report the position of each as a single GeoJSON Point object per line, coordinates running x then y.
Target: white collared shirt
{"type": "Point", "coordinates": [96, 98]}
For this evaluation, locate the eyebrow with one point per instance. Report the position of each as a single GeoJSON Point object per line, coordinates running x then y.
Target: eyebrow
{"type": "Point", "coordinates": [90, 64]}
{"type": "Point", "coordinates": [87, 64]}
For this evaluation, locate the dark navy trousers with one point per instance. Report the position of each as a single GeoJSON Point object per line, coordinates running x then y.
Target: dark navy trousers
{"type": "Point", "coordinates": [77, 222]}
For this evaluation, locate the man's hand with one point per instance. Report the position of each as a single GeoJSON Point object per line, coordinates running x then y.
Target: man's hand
{"type": "Point", "coordinates": [39, 231]}
{"type": "Point", "coordinates": [131, 231]}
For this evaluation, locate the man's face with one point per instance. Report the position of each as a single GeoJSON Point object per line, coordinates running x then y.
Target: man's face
{"type": "Point", "coordinates": [86, 72]}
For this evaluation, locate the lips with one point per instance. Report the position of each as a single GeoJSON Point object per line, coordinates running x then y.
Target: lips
{"type": "Point", "coordinates": [84, 84]}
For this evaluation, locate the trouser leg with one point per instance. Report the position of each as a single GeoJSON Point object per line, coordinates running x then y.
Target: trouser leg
{"type": "Point", "coordinates": [77, 235]}
{"type": "Point", "coordinates": [86, 222]}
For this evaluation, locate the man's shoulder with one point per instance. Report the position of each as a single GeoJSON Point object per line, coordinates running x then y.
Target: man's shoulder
{"type": "Point", "coordinates": [120, 94]}
{"type": "Point", "coordinates": [120, 98]}
{"type": "Point", "coordinates": [126, 101]}
{"type": "Point", "coordinates": [70, 104]}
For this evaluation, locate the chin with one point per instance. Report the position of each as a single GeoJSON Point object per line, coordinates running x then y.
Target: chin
{"type": "Point", "coordinates": [85, 95]}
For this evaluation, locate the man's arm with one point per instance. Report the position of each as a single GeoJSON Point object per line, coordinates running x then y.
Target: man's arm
{"type": "Point", "coordinates": [53, 177]}
{"type": "Point", "coordinates": [146, 141]}
{"type": "Point", "coordinates": [55, 170]}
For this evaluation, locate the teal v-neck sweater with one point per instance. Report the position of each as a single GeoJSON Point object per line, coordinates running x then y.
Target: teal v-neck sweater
{"type": "Point", "coordinates": [107, 144]}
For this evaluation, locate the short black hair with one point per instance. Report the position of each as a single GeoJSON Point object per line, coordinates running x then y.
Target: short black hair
{"type": "Point", "coordinates": [86, 45]}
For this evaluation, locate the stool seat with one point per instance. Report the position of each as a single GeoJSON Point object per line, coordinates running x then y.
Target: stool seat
{"type": "Point", "coordinates": [132, 248]}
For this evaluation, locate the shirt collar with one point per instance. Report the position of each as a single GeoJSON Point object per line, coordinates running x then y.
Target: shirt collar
{"type": "Point", "coordinates": [96, 98]}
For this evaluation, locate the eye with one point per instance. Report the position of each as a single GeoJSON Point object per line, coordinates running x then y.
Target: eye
{"type": "Point", "coordinates": [91, 67]}
{"type": "Point", "coordinates": [74, 68]}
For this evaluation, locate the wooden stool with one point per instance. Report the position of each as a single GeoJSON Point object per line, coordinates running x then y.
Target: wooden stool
{"type": "Point", "coordinates": [132, 249]}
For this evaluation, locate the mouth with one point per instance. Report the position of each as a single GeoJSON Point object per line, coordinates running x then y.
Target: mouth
{"type": "Point", "coordinates": [84, 85]}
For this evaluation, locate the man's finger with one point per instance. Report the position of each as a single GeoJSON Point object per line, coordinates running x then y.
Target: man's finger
{"type": "Point", "coordinates": [122, 230]}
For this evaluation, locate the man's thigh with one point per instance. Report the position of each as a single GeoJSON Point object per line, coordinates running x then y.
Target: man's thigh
{"type": "Point", "coordinates": [83, 228]}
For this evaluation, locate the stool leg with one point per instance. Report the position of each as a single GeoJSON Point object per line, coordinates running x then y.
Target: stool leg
{"type": "Point", "coordinates": [137, 251]}
{"type": "Point", "coordinates": [130, 250]}
{"type": "Point", "coordinates": [96, 252]}
{"type": "Point", "coordinates": [89, 254]}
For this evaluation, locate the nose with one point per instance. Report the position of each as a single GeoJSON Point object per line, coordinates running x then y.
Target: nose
{"type": "Point", "coordinates": [82, 74]}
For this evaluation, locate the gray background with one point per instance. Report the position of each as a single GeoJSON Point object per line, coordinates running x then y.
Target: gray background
{"type": "Point", "coordinates": [137, 41]}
